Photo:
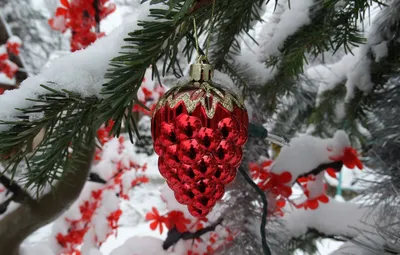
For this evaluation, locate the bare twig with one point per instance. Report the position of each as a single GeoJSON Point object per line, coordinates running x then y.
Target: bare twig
{"type": "Point", "coordinates": [174, 235]}
{"type": "Point", "coordinates": [97, 15]}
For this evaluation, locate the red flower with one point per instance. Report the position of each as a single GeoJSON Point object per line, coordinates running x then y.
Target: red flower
{"type": "Point", "coordinates": [73, 238]}
{"type": "Point", "coordinates": [147, 93]}
{"type": "Point", "coordinates": [103, 133]}
{"type": "Point", "coordinates": [277, 183]}
{"type": "Point", "coordinates": [8, 68]}
{"type": "Point", "coordinates": [79, 16]}
{"type": "Point", "coordinates": [280, 204]}
{"type": "Point", "coordinates": [210, 250]}
{"type": "Point", "coordinates": [349, 158]}
{"type": "Point", "coordinates": [81, 40]}
{"type": "Point", "coordinates": [255, 170]}
{"type": "Point", "coordinates": [3, 56]}
{"type": "Point", "coordinates": [62, 13]}
{"type": "Point", "coordinates": [61, 240]}
{"type": "Point", "coordinates": [259, 171]}
{"type": "Point", "coordinates": [157, 220]}
{"type": "Point", "coordinates": [178, 220]}
{"type": "Point", "coordinates": [331, 172]}
{"type": "Point", "coordinates": [314, 203]}
{"type": "Point", "coordinates": [87, 210]}
{"type": "Point", "coordinates": [190, 252]}
{"type": "Point", "coordinates": [199, 226]}
{"type": "Point", "coordinates": [13, 47]}
{"type": "Point", "coordinates": [305, 179]}
{"type": "Point", "coordinates": [113, 218]}
{"type": "Point", "coordinates": [139, 180]}
{"type": "Point", "coordinates": [106, 9]}
{"type": "Point", "coordinates": [213, 238]}
{"type": "Point", "coordinates": [96, 194]}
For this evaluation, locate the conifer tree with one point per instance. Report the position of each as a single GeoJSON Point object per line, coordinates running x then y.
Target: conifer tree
{"type": "Point", "coordinates": [311, 69]}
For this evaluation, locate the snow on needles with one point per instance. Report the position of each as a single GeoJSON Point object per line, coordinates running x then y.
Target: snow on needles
{"type": "Point", "coordinates": [354, 68]}
{"type": "Point", "coordinates": [287, 22]}
{"type": "Point", "coordinates": [81, 72]}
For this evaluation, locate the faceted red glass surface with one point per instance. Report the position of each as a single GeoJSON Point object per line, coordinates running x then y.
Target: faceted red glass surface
{"type": "Point", "coordinates": [199, 153]}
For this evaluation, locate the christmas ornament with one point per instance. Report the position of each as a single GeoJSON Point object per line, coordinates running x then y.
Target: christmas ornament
{"type": "Point", "coordinates": [198, 129]}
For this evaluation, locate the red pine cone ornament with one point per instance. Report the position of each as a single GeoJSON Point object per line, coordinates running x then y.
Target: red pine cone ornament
{"type": "Point", "coordinates": [199, 130]}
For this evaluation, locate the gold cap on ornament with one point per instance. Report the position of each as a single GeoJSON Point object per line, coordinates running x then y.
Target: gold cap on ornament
{"type": "Point", "coordinates": [201, 70]}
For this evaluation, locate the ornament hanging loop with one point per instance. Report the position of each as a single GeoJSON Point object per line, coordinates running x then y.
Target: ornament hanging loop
{"type": "Point", "coordinates": [201, 71]}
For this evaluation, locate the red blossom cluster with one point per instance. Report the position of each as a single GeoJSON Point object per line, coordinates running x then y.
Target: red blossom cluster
{"type": "Point", "coordinates": [214, 243]}
{"type": "Point", "coordinates": [88, 208]}
{"type": "Point", "coordinates": [12, 46]}
{"type": "Point", "coordinates": [311, 203]}
{"type": "Point", "coordinates": [81, 17]}
{"type": "Point", "coordinates": [176, 219]}
{"type": "Point", "coordinates": [349, 158]}
{"type": "Point", "coordinates": [279, 186]}
{"type": "Point", "coordinates": [103, 134]}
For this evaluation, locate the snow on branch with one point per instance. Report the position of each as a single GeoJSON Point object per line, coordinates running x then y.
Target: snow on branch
{"type": "Point", "coordinates": [306, 153]}
{"type": "Point", "coordinates": [355, 68]}
{"type": "Point", "coordinates": [148, 245]}
{"type": "Point", "coordinates": [333, 218]}
{"type": "Point", "coordinates": [286, 21]}
{"type": "Point", "coordinates": [81, 72]}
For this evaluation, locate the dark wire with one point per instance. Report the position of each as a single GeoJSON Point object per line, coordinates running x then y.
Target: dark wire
{"type": "Point", "coordinates": [265, 246]}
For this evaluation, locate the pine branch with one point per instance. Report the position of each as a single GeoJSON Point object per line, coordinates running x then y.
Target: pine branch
{"type": "Point", "coordinates": [155, 40]}
{"type": "Point", "coordinates": [230, 24]}
{"type": "Point", "coordinates": [331, 27]}
{"type": "Point", "coordinates": [381, 71]}
{"type": "Point", "coordinates": [296, 110]}
{"type": "Point", "coordinates": [67, 117]}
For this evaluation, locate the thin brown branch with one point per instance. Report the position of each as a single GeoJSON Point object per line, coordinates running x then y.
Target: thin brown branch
{"type": "Point", "coordinates": [97, 15]}
{"type": "Point", "coordinates": [19, 194]}
{"type": "Point", "coordinates": [336, 165]}
{"type": "Point", "coordinates": [174, 235]}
